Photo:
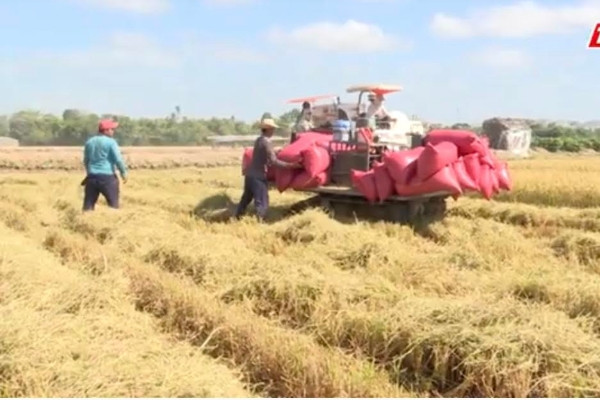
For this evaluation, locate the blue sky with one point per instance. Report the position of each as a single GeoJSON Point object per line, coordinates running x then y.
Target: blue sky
{"type": "Point", "coordinates": [458, 60]}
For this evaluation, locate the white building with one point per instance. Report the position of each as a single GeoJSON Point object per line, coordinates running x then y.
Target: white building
{"type": "Point", "coordinates": [512, 135]}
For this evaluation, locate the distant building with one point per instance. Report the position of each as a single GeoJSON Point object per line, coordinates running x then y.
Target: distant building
{"type": "Point", "coordinates": [8, 142]}
{"type": "Point", "coordinates": [509, 134]}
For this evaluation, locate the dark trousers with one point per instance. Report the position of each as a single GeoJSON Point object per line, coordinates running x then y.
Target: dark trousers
{"type": "Point", "coordinates": [256, 189]}
{"type": "Point", "coordinates": [107, 185]}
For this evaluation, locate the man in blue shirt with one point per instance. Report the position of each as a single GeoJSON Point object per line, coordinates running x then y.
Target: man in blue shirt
{"type": "Point", "coordinates": [101, 155]}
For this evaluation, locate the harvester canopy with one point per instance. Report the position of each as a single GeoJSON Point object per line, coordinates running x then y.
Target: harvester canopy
{"type": "Point", "coordinates": [379, 88]}
{"type": "Point", "coordinates": [322, 114]}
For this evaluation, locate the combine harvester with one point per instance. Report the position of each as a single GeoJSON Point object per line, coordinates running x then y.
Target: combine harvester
{"type": "Point", "coordinates": [385, 170]}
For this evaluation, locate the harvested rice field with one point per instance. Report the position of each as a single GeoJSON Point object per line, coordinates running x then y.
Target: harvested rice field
{"type": "Point", "coordinates": [69, 158]}
{"type": "Point", "coordinates": [166, 298]}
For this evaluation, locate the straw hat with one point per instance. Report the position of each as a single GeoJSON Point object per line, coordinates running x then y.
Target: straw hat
{"type": "Point", "coordinates": [267, 123]}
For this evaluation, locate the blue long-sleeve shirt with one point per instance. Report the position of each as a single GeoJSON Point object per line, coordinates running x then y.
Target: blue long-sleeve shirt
{"type": "Point", "coordinates": [101, 155]}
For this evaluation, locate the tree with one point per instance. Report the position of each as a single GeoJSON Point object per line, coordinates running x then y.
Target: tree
{"type": "Point", "coordinates": [289, 117]}
{"type": "Point", "coordinates": [4, 128]}
{"type": "Point", "coordinates": [461, 125]}
{"type": "Point", "coordinates": [70, 113]}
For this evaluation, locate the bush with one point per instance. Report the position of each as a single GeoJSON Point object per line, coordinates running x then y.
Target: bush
{"type": "Point", "coordinates": [572, 145]}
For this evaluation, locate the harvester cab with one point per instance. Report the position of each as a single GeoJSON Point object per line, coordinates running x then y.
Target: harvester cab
{"type": "Point", "coordinates": [397, 131]}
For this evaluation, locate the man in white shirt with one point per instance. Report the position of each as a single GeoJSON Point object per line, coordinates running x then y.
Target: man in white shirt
{"type": "Point", "coordinates": [304, 122]}
{"type": "Point", "coordinates": [376, 108]}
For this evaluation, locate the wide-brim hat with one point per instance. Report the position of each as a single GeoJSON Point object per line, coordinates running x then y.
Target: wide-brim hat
{"type": "Point", "coordinates": [268, 123]}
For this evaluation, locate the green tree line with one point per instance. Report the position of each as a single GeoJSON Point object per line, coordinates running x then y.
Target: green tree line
{"type": "Point", "coordinates": [73, 127]}
{"type": "Point", "coordinates": [558, 138]}
{"type": "Point", "coordinates": [33, 128]}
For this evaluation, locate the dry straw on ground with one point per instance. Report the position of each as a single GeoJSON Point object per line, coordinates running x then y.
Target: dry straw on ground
{"type": "Point", "coordinates": [67, 334]}
{"type": "Point", "coordinates": [500, 299]}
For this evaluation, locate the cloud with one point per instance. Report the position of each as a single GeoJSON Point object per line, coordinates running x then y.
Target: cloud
{"type": "Point", "coordinates": [447, 26]}
{"type": "Point", "coordinates": [198, 48]}
{"type": "Point", "coordinates": [348, 37]}
{"type": "Point", "coordinates": [231, 53]}
{"type": "Point", "coordinates": [502, 58]}
{"type": "Point", "coordinates": [239, 55]}
{"type": "Point", "coordinates": [135, 6]}
{"type": "Point", "coordinates": [122, 50]}
{"type": "Point", "coordinates": [518, 20]}
{"type": "Point", "coordinates": [130, 51]}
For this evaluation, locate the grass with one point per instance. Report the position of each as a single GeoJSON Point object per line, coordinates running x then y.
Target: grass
{"type": "Point", "coordinates": [165, 297]}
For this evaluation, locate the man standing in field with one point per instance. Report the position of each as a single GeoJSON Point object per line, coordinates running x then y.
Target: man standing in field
{"type": "Point", "coordinates": [256, 186]}
{"type": "Point", "coordinates": [101, 155]}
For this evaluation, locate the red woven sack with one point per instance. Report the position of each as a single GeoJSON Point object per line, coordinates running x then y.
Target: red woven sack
{"type": "Point", "coordinates": [284, 178]}
{"type": "Point", "coordinates": [402, 165]}
{"type": "Point", "coordinates": [442, 181]}
{"type": "Point", "coordinates": [467, 141]}
{"type": "Point", "coordinates": [488, 158]}
{"type": "Point", "coordinates": [463, 177]}
{"type": "Point", "coordinates": [364, 182]}
{"type": "Point", "coordinates": [247, 159]}
{"type": "Point", "coordinates": [486, 184]}
{"type": "Point", "coordinates": [434, 158]}
{"type": "Point", "coordinates": [315, 136]}
{"type": "Point", "coordinates": [293, 152]}
{"type": "Point", "coordinates": [485, 141]}
{"type": "Point", "coordinates": [315, 160]}
{"type": "Point", "coordinates": [384, 184]}
{"type": "Point", "coordinates": [504, 180]}
{"type": "Point", "coordinates": [271, 173]}
{"type": "Point", "coordinates": [473, 166]}
{"type": "Point", "coordinates": [304, 181]}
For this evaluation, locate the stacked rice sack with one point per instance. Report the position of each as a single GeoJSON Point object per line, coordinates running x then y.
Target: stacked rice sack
{"type": "Point", "coordinates": [455, 161]}
{"type": "Point", "coordinates": [247, 160]}
{"type": "Point", "coordinates": [311, 150]}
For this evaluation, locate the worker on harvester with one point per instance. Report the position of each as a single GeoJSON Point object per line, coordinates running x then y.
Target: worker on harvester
{"type": "Point", "coordinates": [304, 122]}
{"type": "Point", "coordinates": [100, 156]}
{"type": "Point", "coordinates": [376, 109]}
{"type": "Point", "coordinates": [256, 186]}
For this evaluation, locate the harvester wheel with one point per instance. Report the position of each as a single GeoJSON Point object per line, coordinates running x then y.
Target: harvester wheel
{"type": "Point", "coordinates": [327, 207]}
{"type": "Point", "coordinates": [434, 210]}
{"type": "Point", "coordinates": [300, 206]}
{"type": "Point", "coordinates": [415, 212]}
{"type": "Point", "coordinates": [416, 209]}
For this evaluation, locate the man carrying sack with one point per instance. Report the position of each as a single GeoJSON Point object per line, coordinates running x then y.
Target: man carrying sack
{"type": "Point", "coordinates": [101, 155]}
{"type": "Point", "coordinates": [256, 186]}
